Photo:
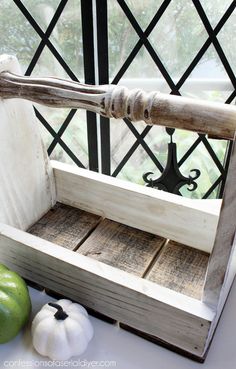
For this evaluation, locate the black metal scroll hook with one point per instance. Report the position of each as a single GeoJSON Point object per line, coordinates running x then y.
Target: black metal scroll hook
{"type": "Point", "coordinates": [171, 180]}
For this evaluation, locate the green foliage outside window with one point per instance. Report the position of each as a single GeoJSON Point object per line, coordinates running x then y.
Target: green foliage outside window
{"type": "Point", "coordinates": [177, 38]}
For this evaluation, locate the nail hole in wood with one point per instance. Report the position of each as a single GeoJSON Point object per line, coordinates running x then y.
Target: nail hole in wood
{"type": "Point", "coordinates": [146, 115]}
{"type": "Point", "coordinates": [103, 103]}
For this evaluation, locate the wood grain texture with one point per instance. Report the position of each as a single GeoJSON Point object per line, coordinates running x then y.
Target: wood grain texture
{"type": "Point", "coordinates": [27, 188]}
{"type": "Point", "coordinates": [147, 209]}
{"type": "Point", "coordinates": [123, 247]}
{"type": "Point", "coordinates": [180, 320]}
{"type": "Point", "coordinates": [177, 266]}
{"type": "Point", "coordinates": [226, 287]}
{"type": "Point", "coordinates": [65, 226]}
{"type": "Point", "coordinates": [215, 119]}
{"type": "Point", "coordinates": [159, 342]}
{"type": "Point", "coordinates": [92, 312]}
{"type": "Point", "coordinates": [222, 252]}
{"type": "Point", "coordinates": [180, 268]}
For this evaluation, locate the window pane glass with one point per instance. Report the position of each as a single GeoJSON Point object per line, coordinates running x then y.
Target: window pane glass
{"type": "Point", "coordinates": [17, 36]}
{"type": "Point", "coordinates": [42, 11]}
{"type": "Point", "coordinates": [178, 36]}
{"type": "Point", "coordinates": [176, 39]}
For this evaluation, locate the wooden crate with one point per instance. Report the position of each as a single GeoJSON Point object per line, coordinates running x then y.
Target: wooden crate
{"type": "Point", "coordinates": [159, 264]}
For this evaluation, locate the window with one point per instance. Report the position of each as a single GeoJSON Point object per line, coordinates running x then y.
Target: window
{"type": "Point", "coordinates": [184, 47]}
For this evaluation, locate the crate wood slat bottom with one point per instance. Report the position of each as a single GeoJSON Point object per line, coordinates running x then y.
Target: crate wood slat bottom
{"type": "Point", "coordinates": [170, 264]}
{"type": "Point", "coordinates": [65, 226]}
{"type": "Point", "coordinates": [178, 267]}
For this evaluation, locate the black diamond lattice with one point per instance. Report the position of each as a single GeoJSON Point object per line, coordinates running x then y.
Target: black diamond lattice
{"type": "Point", "coordinates": [88, 25]}
{"type": "Point", "coordinates": [175, 87]}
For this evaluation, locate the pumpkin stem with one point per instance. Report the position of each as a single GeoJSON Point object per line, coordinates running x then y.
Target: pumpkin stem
{"type": "Point", "coordinates": [60, 314]}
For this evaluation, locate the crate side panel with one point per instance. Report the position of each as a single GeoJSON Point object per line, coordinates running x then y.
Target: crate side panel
{"type": "Point", "coordinates": [223, 248]}
{"type": "Point", "coordinates": [144, 208]}
{"type": "Point", "coordinates": [27, 187]}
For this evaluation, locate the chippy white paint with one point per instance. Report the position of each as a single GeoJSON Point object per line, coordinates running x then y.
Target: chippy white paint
{"type": "Point", "coordinates": [27, 191]}
{"type": "Point", "coordinates": [27, 183]}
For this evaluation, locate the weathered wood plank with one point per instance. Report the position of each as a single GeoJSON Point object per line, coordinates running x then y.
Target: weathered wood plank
{"type": "Point", "coordinates": [27, 188]}
{"type": "Point", "coordinates": [220, 260]}
{"type": "Point", "coordinates": [159, 342]}
{"type": "Point", "coordinates": [119, 102]}
{"type": "Point", "coordinates": [226, 287]}
{"type": "Point", "coordinates": [180, 320]}
{"type": "Point", "coordinates": [147, 209]}
{"type": "Point", "coordinates": [65, 226]}
{"type": "Point", "coordinates": [92, 312]}
{"type": "Point", "coordinates": [180, 268]}
{"type": "Point", "coordinates": [121, 246]}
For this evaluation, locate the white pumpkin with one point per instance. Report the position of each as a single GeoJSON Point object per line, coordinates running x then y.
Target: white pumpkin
{"type": "Point", "coordinates": [61, 330]}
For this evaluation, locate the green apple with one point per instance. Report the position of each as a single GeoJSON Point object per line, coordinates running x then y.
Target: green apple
{"type": "Point", "coordinates": [15, 304]}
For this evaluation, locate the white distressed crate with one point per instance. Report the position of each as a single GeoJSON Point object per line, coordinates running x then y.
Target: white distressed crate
{"type": "Point", "coordinates": [31, 185]}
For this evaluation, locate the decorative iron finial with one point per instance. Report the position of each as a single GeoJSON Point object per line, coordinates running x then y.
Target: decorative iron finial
{"type": "Point", "coordinates": [171, 180]}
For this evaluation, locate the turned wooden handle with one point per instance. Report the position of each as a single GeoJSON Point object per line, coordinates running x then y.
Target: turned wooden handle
{"type": "Point", "coordinates": [215, 119]}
